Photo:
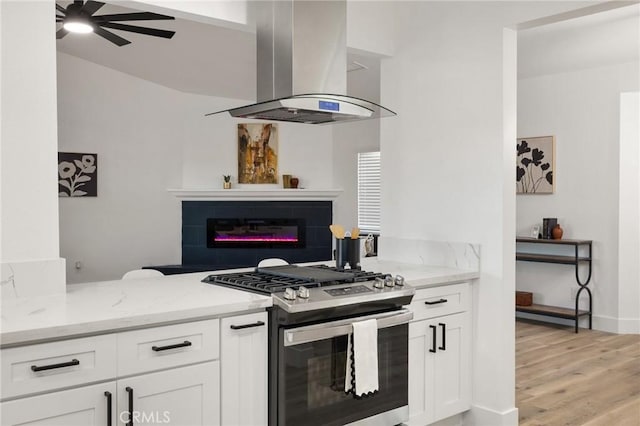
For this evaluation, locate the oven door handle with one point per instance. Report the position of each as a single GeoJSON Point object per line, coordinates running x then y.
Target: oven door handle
{"type": "Point", "coordinates": [328, 330]}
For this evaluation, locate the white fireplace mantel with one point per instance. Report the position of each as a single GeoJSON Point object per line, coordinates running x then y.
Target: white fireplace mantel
{"type": "Point", "coordinates": [242, 194]}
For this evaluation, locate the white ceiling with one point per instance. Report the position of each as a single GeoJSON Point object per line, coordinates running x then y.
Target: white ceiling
{"type": "Point", "coordinates": [200, 58]}
{"type": "Point", "coordinates": [219, 61]}
{"type": "Point", "coordinates": [590, 41]}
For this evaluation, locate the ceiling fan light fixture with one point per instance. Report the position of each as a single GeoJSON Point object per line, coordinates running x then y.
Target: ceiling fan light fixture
{"type": "Point", "coordinates": [78, 17]}
{"type": "Point", "coordinates": [77, 26]}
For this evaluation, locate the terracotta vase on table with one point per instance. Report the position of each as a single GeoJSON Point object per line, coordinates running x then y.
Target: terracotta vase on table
{"type": "Point", "coordinates": [557, 232]}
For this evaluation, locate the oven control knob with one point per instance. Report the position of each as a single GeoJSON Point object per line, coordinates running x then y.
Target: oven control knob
{"type": "Point", "coordinates": [399, 280]}
{"type": "Point", "coordinates": [379, 282]}
{"type": "Point", "coordinates": [290, 294]}
{"type": "Point", "coordinates": [388, 281]}
{"type": "Point", "coordinates": [303, 292]}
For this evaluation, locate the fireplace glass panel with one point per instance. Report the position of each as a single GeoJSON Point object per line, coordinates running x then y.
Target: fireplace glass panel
{"type": "Point", "coordinates": [246, 233]}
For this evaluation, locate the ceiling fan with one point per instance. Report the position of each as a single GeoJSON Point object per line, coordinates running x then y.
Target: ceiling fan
{"type": "Point", "coordinates": [78, 17]}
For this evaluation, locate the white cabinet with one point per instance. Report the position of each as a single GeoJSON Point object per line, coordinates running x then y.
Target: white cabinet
{"type": "Point", "coordinates": [84, 406]}
{"type": "Point", "coordinates": [170, 375]}
{"type": "Point", "coordinates": [159, 348]}
{"type": "Point", "coordinates": [47, 366]}
{"type": "Point", "coordinates": [180, 396]}
{"type": "Point", "coordinates": [244, 373]}
{"type": "Point", "coordinates": [439, 355]}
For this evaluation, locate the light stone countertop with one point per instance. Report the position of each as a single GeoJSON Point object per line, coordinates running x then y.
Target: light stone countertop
{"type": "Point", "coordinates": [111, 306]}
{"type": "Point", "coordinates": [418, 275]}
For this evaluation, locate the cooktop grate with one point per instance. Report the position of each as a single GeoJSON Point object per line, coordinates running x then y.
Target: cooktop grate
{"type": "Point", "coordinates": [266, 283]}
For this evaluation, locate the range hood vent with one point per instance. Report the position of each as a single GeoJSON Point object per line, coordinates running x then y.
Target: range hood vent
{"type": "Point", "coordinates": [302, 65]}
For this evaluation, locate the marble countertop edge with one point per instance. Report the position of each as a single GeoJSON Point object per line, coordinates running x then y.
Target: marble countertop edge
{"type": "Point", "coordinates": [28, 336]}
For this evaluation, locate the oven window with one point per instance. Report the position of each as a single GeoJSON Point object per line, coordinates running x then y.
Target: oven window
{"type": "Point", "coordinates": [311, 382]}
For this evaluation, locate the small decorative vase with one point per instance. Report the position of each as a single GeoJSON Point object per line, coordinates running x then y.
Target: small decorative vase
{"type": "Point", "coordinates": [226, 185]}
{"type": "Point", "coordinates": [294, 182]}
{"type": "Point", "coordinates": [557, 232]}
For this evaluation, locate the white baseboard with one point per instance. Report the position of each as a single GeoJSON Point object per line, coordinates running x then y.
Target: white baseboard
{"type": "Point", "coordinates": [29, 278]}
{"type": "Point", "coordinates": [600, 322]}
{"type": "Point", "coordinates": [616, 325]}
{"type": "Point", "coordinates": [450, 421]}
{"type": "Point", "coordinates": [483, 416]}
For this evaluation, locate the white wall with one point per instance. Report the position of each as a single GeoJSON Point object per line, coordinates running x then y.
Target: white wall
{"type": "Point", "coordinates": [150, 138]}
{"type": "Point", "coordinates": [448, 156]}
{"type": "Point", "coordinates": [582, 109]}
{"type": "Point", "coordinates": [369, 28]}
{"type": "Point", "coordinates": [29, 206]}
{"type": "Point", "coordinates": [348, 140]}
{"type": "Point", "coordinates": [136, 128]}
{"type": "Point", "coordinates": [303, 151]}
{"type": "Point", "coordinates": [351, 138]}
{"type": "Point", "coordinates": [629, 215]}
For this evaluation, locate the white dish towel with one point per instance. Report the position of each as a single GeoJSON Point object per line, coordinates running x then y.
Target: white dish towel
{"type": "Point", "coordinates": [362, 359]}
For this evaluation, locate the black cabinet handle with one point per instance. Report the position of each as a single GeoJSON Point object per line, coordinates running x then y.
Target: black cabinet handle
{"type": "Point", "coordinates": [433, 339]}
{"type": "Point", "coordinates": [436, 302]}
{"type": "Point", "coordinates": [166, 348]}
{"type": "Point", "coordinates": [240, 327]}
{"type": "Point", "coordinates": [52, 366]}
{"type": "Point", "coordinates": [109, 405]}
{"type": "Point", "coordinates": [444, 337]}
{"type": "Point", "coordinates": [130, 391]}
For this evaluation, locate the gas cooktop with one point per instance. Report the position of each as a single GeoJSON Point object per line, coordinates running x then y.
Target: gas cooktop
{"type": "Point", "coordinates": [304, 288]}
{"type": "Point", "coordinates": [272, 279]}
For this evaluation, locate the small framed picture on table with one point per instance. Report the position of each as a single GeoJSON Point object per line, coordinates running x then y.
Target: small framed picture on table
{"type": "Point", "coordinates": [535, 231]}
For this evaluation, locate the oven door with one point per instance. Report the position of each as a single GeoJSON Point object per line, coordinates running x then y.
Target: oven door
{"type": "Point", "coordinates": [311, 371]}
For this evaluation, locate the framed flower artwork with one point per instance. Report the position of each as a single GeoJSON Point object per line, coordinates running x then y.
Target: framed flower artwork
{"type": "Point", "coordinates": [535, 165]}
{"type": "Point", "coordinates": [77, 175]}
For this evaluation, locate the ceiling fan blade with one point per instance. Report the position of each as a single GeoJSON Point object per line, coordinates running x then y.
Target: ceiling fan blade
{"type": "Point", "coordinates": [78, 2]}
{"type": "Point", "coordinates": [61, 33]}
{"type": "Point", "coordinates": [137, 16]}
{"type": "Point", "coordinates": [61, 9]}
{"type": "Point", "coordinates": [115, 39]}
{"type": "Point", "coordinates": [91, 7]}
{"type": "Point", "coordinates": [140, 30]}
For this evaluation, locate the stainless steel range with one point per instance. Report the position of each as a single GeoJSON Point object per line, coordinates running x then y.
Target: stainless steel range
{"type": "Point", "coordinates": [309, 324]}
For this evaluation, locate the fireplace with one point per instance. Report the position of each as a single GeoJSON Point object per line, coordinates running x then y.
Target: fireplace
{"type": "Point", "coordinates": [255, 232]}
{"type": "Point", "coordinates": [311, 217]}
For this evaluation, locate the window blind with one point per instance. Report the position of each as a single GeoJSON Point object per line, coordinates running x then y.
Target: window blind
{"type": "Point", "coordinates": [369, 192]}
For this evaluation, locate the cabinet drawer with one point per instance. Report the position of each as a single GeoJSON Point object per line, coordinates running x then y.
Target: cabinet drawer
{"type": "Point", "coordinates": [168, 346]}
{"type": "Point", "coordinates": [444, 300]}
{"type": "Point", "coordinates": [87, 406]}
{"type": "Point", "coordinates": [47, 366]}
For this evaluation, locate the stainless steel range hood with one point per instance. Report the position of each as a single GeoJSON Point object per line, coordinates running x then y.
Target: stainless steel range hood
{"type": "Point", "coordinates": [302, 65]}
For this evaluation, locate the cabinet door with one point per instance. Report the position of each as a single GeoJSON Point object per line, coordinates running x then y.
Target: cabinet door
{"type": "Point", "coordinates": [452, 366]}
{"type": "Point", "coordinates": [185, 396]}
{"type": "Point", "coordinates": [421, 373]}
{"type": "Point", "coordinates": [440, 381]}
{"type": "Point", "coordinates": [84, 406]}
{"type": "Point", "coordinates": [244, 369]}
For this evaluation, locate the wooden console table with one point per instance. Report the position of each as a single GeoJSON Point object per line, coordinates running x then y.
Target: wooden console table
{"type": "Point", "coordinates": [577, 259]}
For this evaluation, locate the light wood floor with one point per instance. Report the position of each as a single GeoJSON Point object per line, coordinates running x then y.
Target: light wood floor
{"type": "Point", "coordinates": [590, 378]}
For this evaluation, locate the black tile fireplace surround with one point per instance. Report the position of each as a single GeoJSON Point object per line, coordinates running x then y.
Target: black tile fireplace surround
{"type": "Point", "coordinates": [196, 256]}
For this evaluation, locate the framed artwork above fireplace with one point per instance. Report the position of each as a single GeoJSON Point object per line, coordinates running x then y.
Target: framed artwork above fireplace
{"type": "Point", "coordinates": [257, 153]}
